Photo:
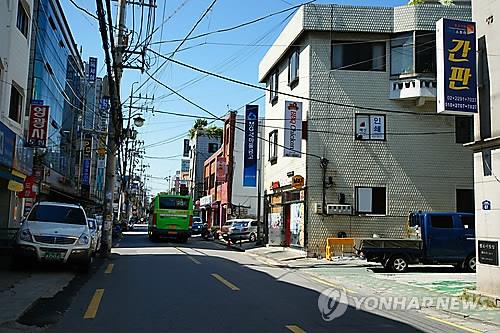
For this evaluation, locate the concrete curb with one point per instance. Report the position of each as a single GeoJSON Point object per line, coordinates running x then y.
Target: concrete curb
{"type": "Point", "coordinates": [232, 246]}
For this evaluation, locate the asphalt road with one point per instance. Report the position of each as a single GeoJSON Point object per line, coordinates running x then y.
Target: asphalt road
{"type": "Point", "coordinates": [203, 287]}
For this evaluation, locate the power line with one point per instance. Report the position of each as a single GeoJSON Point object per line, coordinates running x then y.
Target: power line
{"type": "Point", "coordinates": [236, 26]}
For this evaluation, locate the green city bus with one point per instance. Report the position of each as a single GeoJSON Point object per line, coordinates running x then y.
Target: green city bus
{"type": "Point", "coordinates": [170, 216]}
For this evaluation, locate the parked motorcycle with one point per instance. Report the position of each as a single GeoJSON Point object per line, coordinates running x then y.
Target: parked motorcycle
{"type": "Point", "coordinates": [205, 232]}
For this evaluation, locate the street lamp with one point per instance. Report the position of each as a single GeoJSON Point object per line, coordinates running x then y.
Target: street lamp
{"type": "Point", "coordinates": [139, 121]}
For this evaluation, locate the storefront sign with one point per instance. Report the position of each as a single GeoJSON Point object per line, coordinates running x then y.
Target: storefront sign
{"type": "Point", "coordinates": [7, 144]}
{"type": "Point", "coordinates": [275, 185]}
{"type": "Point", "coordinates": [206, 200]}
{"type": "Point", "coordinates": [456, 67]}
{"type": "Point", "coordinates": [251, 139]}
{"type": "Point", "coordinates": [92, 69]}
{"type": "Point", "coordinates": [220, 172]}
{"type": "Point", "coordinates": [23, 157]}
{"type": "Point", "coordinates": [28, 188]}
{"type": "Point", "coordinates": [293, 129]}
{"type": "Point", "coordinates": [298, 181]}
{"type": "Point", "coordinates": [185, 165]}
{"type": "Point", "coordinates": [186, 150]}
{"type": "Point", "coordinates": [39, 119]}
{"type": "Point", "coordinates": [87, 155]}
{"type": "Point", "coordinates": [488, 252]}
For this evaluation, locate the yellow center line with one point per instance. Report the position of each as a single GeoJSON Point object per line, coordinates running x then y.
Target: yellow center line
{"type": "Point", "coordinates": [225, 282]}
{"type": "Point", "coordinates": [331, 284]}
{"type": "Point", "coordinates": [94, 304]}
{"type": "Point", "coordinates": [109, 269]}
{"type": "Point", "coordinates": [295, 329]}
{"type": "Point", "coordinates": [463, 328]}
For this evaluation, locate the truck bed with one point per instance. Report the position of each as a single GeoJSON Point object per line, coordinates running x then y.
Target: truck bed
{"type": "Point", "coordinates": [390, 243]}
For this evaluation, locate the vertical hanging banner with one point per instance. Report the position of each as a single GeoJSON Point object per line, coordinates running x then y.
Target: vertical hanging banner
{"type": "Point", "coordinates": [220, 174]}
{"type": "Point", "coordinates": [293, 129]}
{"type": "Point", "coordinates": [87, 158]}
{"type": "Point", "coordinates": [38, 128]}
{"type": "Point", "coordinates": [456, 67]}
{"type": "Point", "coordinates": [92, 69]}
{"type": "Point", "coordinates": [186, 149]}
{"type": "Point", "coordinates": [251, 138]}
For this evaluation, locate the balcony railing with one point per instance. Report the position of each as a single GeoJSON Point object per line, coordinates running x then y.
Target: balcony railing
{"type": "Point", "coordinates": [413, 88]}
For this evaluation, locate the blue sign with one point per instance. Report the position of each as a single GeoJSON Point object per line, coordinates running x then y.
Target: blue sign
{"type": "Point", "coordinates": [7, 144]}
{"type": "Point", "coordinates": [36, 102]}
{"type": "Point", "coordinates": [486, 205]}
{"type": "Point", "coordinates": [251, 139]}
{"type": "Point", "coordinates": [456, 66]}
{"type": "Point", "coordinates": [86, 172]}
{"type": "Point", "coordinates": [92, 69]}
{"type": "Point", "coordinates": [104, 103]}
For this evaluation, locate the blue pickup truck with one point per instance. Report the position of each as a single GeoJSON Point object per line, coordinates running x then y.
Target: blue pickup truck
{"type": "Point", "coordinates": [433, 238]}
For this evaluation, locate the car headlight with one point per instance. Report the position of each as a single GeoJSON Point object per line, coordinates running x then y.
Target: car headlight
{"type": "Point", "coordinates": [25, 235]}
{"type": "Point", "coordinates": [84, 239]}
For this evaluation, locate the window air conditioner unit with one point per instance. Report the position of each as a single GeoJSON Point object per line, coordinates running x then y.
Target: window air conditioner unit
{"type": "Point", "coordinates": [337, 209]}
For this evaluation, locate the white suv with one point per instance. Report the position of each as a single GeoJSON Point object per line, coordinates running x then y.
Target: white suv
{"type": "Point", "coordinates": [55, 232]}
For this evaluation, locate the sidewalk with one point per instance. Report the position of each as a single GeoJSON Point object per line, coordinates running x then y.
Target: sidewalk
{"type": "Point", "coordinates": [363, 279]}
{"type": "Point", "coordinates": [20, 289]}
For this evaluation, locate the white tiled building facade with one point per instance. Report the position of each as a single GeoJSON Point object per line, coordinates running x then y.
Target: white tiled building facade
{"type": "Point", "coordinates": [487, 146]}
{"type": "Point", "coordinates": [416, 159]}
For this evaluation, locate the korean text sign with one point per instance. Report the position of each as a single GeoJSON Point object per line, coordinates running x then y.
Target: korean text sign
{"type": "Point", "coordinates": [251, 139]}
{"type": "Point", "coordinates": [39, 119]}
{"type": "Point", "coordinates": [456, 67]}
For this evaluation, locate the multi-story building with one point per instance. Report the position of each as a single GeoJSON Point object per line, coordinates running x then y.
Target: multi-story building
{"type": "Point", "coordinates": [487, 147]}
{"type": "Point", "coordinates": [15, 158]}
{"type": "Point", "coordinates": [202, 146]}
{"type": "Point", "coordinates": [362, 83]}
{"type": "Point", "coordinates": [225, 196]}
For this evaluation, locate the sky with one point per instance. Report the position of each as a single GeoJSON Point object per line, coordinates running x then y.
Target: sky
{"type": "Point", "coordinates": [235, 54]}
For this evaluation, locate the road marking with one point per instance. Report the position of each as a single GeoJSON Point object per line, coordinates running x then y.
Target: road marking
{"type": "Point", "coordinates": [295, 329]}
{"type": "Point", "coordinates": [109, 269]}
{"type": "Point", "coordinates": [225, 282]}
{"type": "Point", "coordinates": [463, 328]}
{"type": "Point", "coordinates": [331, 284]}
{"type": "Point", "coordinates": [94, 304]}
{"type": "Point", "coordinates": [194, 260]}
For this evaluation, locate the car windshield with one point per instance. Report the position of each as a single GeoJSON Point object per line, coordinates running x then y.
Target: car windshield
{"type": "Point", "coordinates": [174, 203]}
{"type": "Point", "coordinates": [228, 223]}
{"type": "Point", "coordinates": [241, 224]}
{"type": "Point", "coordinates": [198, 223]}
{"type": "Point", "coordinates": [57, 214]}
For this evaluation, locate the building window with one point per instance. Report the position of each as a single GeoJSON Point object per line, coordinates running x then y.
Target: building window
{"type": "Point", "coordinates": [486, 155]}
{"type": "Point", "coordinates": [465, 200]}
{"type": "Point", "coordinates": [212, 147]}
{"type": "Point", "coordinates": [413, 52]}
{"type": "Point", "coordinates": [463, 129]}
{"type": "Point", "coordinates": [358, 56]}
{"type": "Point", "coordinates": [16, 104]}
{"type": "Point", "coordinates": [273, 147]}
{"type": "Point", "coordinates": [273, 88]}
{"type": "Point", "coordinates": [293, 68]}
{"type": "Point", "coordinates": [371, 200]}
{"type": "Point", "coordinates": [370, 127]}
{"type": "Point", "coordinates": [22, 19]}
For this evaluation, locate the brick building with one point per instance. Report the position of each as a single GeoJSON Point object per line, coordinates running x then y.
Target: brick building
{"type": "Point", "coordinates": [372, 146]}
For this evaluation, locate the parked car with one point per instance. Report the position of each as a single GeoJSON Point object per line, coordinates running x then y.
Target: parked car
{"type": "Point", "coordinates": [55, 232]}
{"type": "Point", "coordinates": [243, 229]}
{"type": "Point", "coordinates": [197, 225]}
{"type": "Point", "coordinates": [95, 234]}
{"type": "Point", "coordinates": [224, 230]}
{"type": "Point", "coordinates": [434, 238]}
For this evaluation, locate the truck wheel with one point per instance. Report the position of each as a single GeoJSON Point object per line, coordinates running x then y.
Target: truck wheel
{"type": "Point", "coordinates": [470, 264]}
{"type": "Point", "coordinates": [398, 264]}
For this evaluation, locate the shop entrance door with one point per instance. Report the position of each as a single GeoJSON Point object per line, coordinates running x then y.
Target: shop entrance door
{"type": "Point", "coordinates": [287, 225]}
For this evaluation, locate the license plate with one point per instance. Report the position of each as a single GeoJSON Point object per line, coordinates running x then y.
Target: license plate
{"type": "Point", "coordinates": [172, 232]}
{"type": "Point", "coordinates": [172, 226]}
{"type": "Point", "coordinates": [53, 256]}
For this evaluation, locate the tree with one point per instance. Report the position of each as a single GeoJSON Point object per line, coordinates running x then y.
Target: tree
{"type": "Point", "coordinates": [198, 124]}
{"type": "Point", "coordinates": [214, 131]}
